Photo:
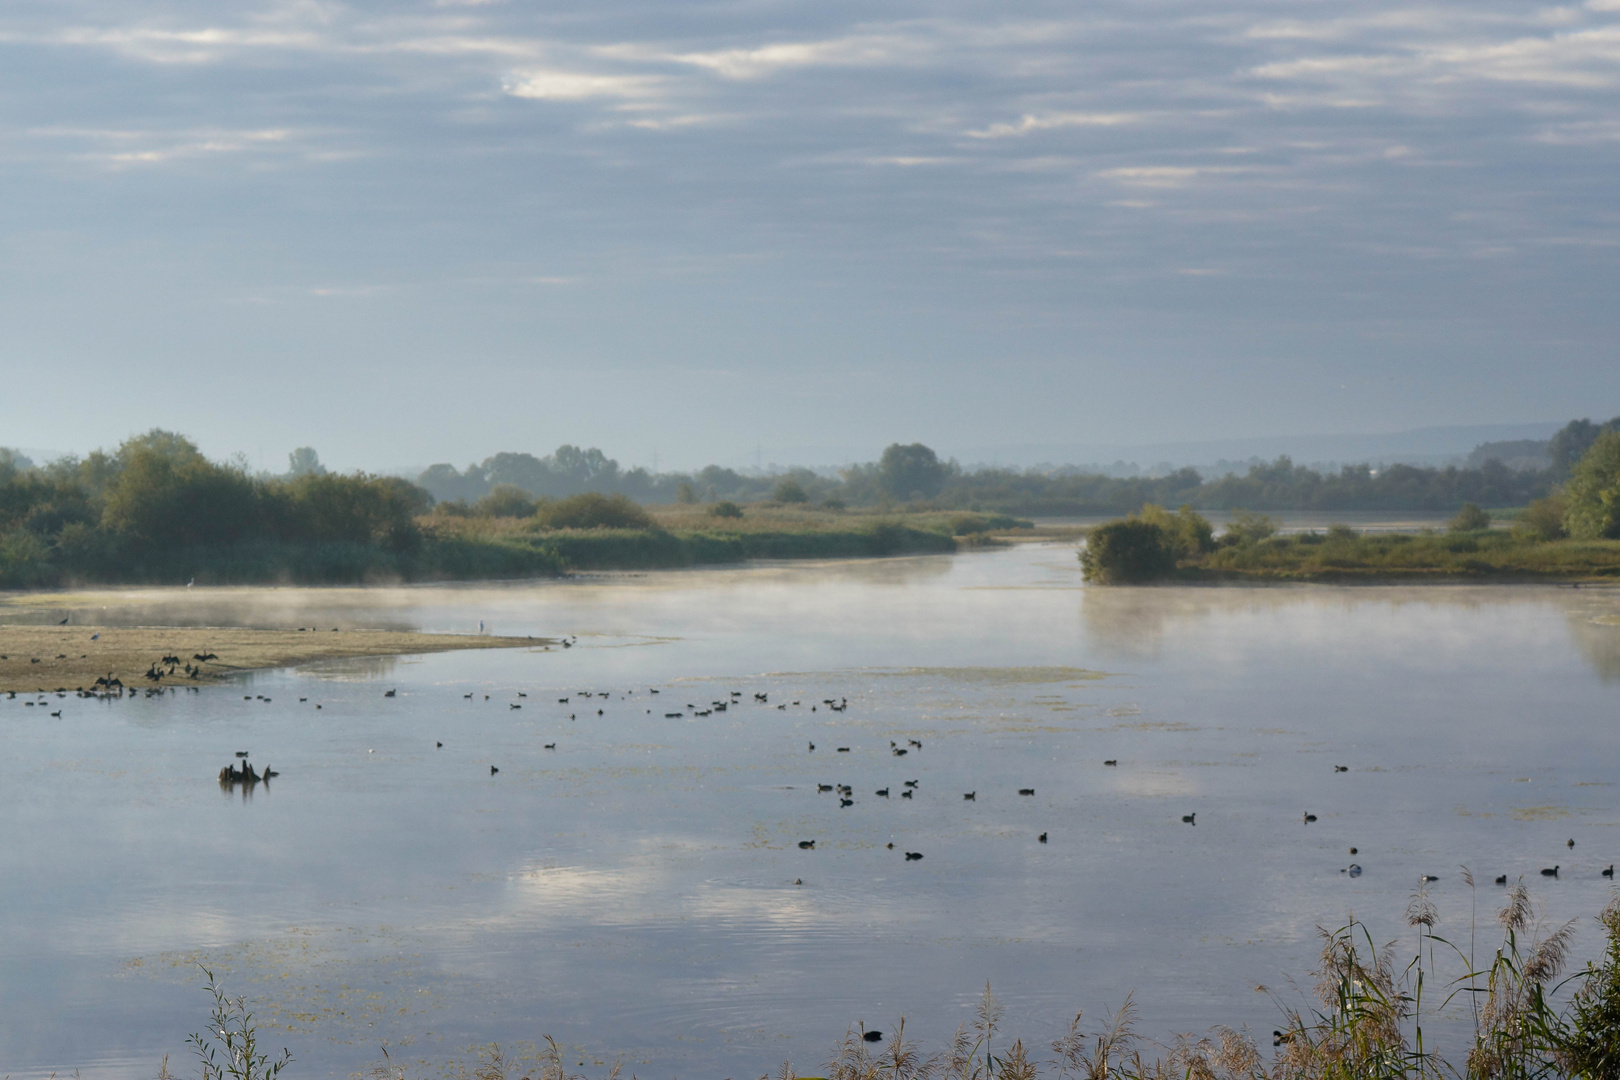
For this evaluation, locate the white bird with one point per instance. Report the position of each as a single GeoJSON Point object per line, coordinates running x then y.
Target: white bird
{"type": "Point", "coordinates": [190, 583]}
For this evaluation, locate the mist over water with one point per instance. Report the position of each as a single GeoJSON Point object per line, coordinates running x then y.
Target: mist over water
{"type": "Point", "coordinates": [633, 890]}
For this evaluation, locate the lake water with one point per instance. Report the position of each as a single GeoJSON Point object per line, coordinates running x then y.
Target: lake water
{"type": "Point", "coordinates": [636, 891]}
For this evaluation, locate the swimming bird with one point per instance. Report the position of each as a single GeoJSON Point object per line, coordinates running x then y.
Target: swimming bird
{"type": "Point", "coordinates": [1190, 819]}
{"type": "Point", "coordinates": [877, 1036]}
{"type": "Point", "coordinates": [1571, 843]}
{"type": "Point", "coordinates": [1354, 870]}
{"type": "Point", "coordinates": [911, 783]}
{"type": "Point", "coordinates": [899, 751]}
{"type": "Point", "coordinates": [812, 748]}
{"type": "Point", "coordinates": [1341, 768]}
{"type": "Point", "coordinates": [1550, 873]}
{"type": "Point", "coordinates": [890, 845]}
{"type": "Point", "coordinates": [1041, 838]}
{"type": "Point", "coordinates": [1352, 851]}
{"type": "Point", "coordinates": [1026, 791]}
{"type": "Point", "coordinates": [883, 792]}
{"type": "Point", "coordinates": [1112, 761]}
{"type": "Point", "coordinates": [913, 855]}
{"type": "Point", "coordinates": [1429, 877]}
{"type": "Point", "coordinates": [915, 742]}
{"type": "Point", "coordinates": [845, 802]}
{"type": "Point", "coordinates": [824, 787]}
{"type": "Point", "coordinates": [843, 749]}
{"type": "Point", "coordinates": [550, 746]}
{"type": "Point", "coordinates": [62, 623]}
{"type": "Point", "coordinates": [388, 693]}
{"type": "Point", "coordinates": [438, 745]}
{"type": "Point", "coordinates": [971, 796]}
{"type": "Point", "coordinates": [905, 794]}
{"type": "Point", "coordinates": [57, 714]}
{"type": "Point", "coordinates": [242, 753]}
{"type": "Point", "coordinates": [269, 772]}
{"type": "Point", "coordinates": [493, 770]}
{"type": "Point", "coordinates": [1609, 873]}
{"type": "Point", "coordinates": [1309, 817]}
{"type": "Point", "coordinates": [806, 845]}
{"type": "Point", "coordinates": [1501, 879]}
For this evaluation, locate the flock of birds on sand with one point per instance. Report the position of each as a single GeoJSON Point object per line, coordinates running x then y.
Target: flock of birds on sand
{"type": "Point", "coordinates": [242, 774]}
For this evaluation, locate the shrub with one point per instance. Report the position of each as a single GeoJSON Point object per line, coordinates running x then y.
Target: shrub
{"type": "Point", "coordinates": [1469, 519]}
{"type": "Point", "coordinates": [507, 501]}
{"type": "Point", "coordinates": [1122, 552]}
{"type": "Point", "coordinates": [1542, 519]}
{"type": "Point", "coordinates": [725, 509]}
{"type": "Point", "coordinates": [1593, 492]}
{"type": "Point", "coordinates": [1250, 528]}
{"type": "Point", "coordinates": [1188, 532]}
{"type": "Point", "coordinates": [1341, 533]}
{"type": "Point", "coordinates": [593, 511]}
{"type": "Point", "coordinates": [790, 491]}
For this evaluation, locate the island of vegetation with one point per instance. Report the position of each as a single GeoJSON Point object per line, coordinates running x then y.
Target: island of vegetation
{"type": "Point", "coordinates": [1573, 533]}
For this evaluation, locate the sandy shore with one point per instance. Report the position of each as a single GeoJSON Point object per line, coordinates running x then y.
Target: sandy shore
{"type": "Point", "coordinates": [73, 657]}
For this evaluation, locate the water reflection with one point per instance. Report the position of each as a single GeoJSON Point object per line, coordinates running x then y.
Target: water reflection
{"type": "Point", "coordinates": [631, 882]}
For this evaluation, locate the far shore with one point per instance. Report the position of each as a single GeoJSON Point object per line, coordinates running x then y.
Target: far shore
{"type": "Point", "coordinates": [36, 658]}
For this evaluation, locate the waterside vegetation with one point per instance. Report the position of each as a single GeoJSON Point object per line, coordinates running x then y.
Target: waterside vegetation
{"type": "Point", "coordinates": [1573, 533]}
{"type": "Point", "coordinates": [1366, 1022]}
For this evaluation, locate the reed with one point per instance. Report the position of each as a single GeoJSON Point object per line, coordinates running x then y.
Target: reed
{"type": "Point", "coordinates": [1364, 1024]}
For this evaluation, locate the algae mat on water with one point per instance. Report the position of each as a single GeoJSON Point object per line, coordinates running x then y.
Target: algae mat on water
{"type": "Point", "coordinates": [49, 658]}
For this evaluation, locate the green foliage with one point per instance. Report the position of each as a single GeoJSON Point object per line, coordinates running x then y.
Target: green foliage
{"type": "Point", "coordinates": [1591, 1047]}
{"type": "Point", "coordinates": [1572, 442]}
{"type": "Point", "coordinates": [1249, 528]}
{"type": "Point", "coordinates": [1187, 531]}
{"type": "Point", "coordinates": [686, 493]}
{"type": "Point", "coordinates": [1593, 491]}
{"type": "Point", "coordinates": [1469, 519]}
{"type": "Point", "coordinates": [357, 509]}
{"type": "Point", "coordinates": [789, 491]}
{"type": "Point", "coordinates": [593, 511]}
{"type": "Point", "coordinates": [1127, 552]}
{"type": "Point", "coordinates": [910, 472]}
{"type": "Point", "coordinates": [230, 1048]}
{"type": "Point", "coordinates": [1543, 519]}
{"type": "Point", "coordinates": [725, 509]}
{"type": "Point", "coordinates": [506, 500]}
{"type": "Point", "coordinates": [168, 494]}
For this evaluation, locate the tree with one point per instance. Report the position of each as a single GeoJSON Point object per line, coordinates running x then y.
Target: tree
{"type": "Point", "coordinates": [1469, 519]}
{"type": "Point", "coordinates": [1126, 552]}
{"type": "Point", "coordinates": [1187, 531]}
{"type": "Point", "coordinates": [506, 500]}
{"type": "Point", "coordinates": [1572, 442]}
{"type": "Point", "coordinates": [304, 461]}
{"type": "Point", "coordinates": [790, 491]}
{"type": "Point", "coordinates": [1593, 491]}
{"type": "Point", "coordinates": [910, 472]}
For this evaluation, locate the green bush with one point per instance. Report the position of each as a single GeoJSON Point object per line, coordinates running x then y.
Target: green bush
{"type": "Point", "coordinates": [1593, 492]}
{"type": "Point", "coordinates": [593, 511]}
{"type": "Point", "coordinates": [725, 509]}
{"type": "Point", "coordinates": [790, 491]}
{"type": "Point", "coordinates": [508, 501]}
{"type": "Point", "coordinates": [1187, 531]}
{"type": "Point", "coordinates": [1469, 519]}
{"type": "Point", "coordinates": [1129, 551]}
{"type": "Point", "coordinates": [1542, 519]}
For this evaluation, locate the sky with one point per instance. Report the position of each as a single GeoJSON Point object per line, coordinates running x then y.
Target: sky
{"type": "Point", "coordinates": [407, 233]}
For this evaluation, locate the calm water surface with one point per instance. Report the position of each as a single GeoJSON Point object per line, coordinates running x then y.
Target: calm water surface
{"type": "Point", "coordinates": [636, 890]}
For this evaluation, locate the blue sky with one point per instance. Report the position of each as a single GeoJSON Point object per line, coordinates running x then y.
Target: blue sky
{"type": "Point", "coordinates": [419, 232]}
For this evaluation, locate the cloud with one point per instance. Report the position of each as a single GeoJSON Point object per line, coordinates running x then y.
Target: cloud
{"type": "Point", "coordinates": [1030, 122]}
{"type": "Point", "coordinates": [556, 85]}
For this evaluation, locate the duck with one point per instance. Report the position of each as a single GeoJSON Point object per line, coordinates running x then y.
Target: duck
{"type": "Point", "coordinates": [882, 792]}
{"type": "Point", "coordinates": [493, 770]}
{"type": "Point", "coordinates": [1309, 817]}
{"type": "Point", "coordinates": [550, 746]}
{"type": "Point", "coordinates": [905, 794]}
{"type": "Point", "coordinates": [1041, 838]}
{"type": "Point", "coordinates": [1190, 819]}
{"type": "Point", "coordinates": [843, 749]}
{"type": "Point", "coordinates": [912, 856]}
{"type": "Point", "coordinates": [1609, 873]}
{"type": "Point", "coordinates": [1026, 791]}
{"type": "Point", "coordinates": [971, 796]}
{"type": "Point", "coordinates": [1550, 873]}
{"type": "Point", "coordinates": [1428, 877]}
{"type": "Point", "coordinates": [807, 845]}
{"type": "Point", "coordinates": [845, 802]}
{"type": "Point", "coordinates": [1112, 761]}
{"type": "Point", "coordinates": [1341, 768]}
{"type": "Point", "coordinates": [1501, 879]}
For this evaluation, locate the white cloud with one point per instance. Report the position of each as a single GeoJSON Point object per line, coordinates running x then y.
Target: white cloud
{"type": "Point", "coordinates": [1047, 121]}
{"type": "Point", "coordinates": [555, 85]}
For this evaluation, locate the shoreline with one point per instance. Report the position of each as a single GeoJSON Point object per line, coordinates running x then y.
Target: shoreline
{"type": "Point", "coordinates": [52, 659]}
